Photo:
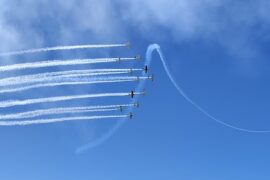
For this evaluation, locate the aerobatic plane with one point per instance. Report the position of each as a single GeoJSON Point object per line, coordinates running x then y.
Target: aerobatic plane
{"type": "Point", "coordinates": [151, 77]}
{"type": "Point", "coordinates": [145, 69]}
{"type": "Point", "coordinates": [130, 115]}
{"type": "Point", "coordinates": [132, 94]}
{"type": "Point", "coordinates": [121, 108]}
{"type": "Point", "coordinates": [137, 57]}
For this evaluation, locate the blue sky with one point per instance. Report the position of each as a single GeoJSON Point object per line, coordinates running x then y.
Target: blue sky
{"type": "Point", "coordinates": [217, 51]}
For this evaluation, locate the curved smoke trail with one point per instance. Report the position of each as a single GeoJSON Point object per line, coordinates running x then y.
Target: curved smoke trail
{"type": "Point", "coordinates": [156, 47]}
{"type": "Point", "coordinates": [151, 48]}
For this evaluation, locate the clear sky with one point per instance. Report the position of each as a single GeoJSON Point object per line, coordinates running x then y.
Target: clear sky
{"type": "Point", "coordinates": [218, 53]}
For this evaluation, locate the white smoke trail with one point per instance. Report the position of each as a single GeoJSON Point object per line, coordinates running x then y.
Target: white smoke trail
{"type": "Point", "coordinates": [24, 88]}
{"type": "Point", "coordinates": [57, 48]}
{"type": "Point", "coordinates": [103, 138]}
{"type": "Point", "coordinates": [28, 79]}
{"type": "Point", "coordinates": [53, 111]}
{"type": "Point", "coordinates": [79, 81]}
{"type": "Point", "coordinates": [156, 47]}
{"type": "Point", "coordinates": [10, 103]}
{"type": "Point", "coordinates": [56, 120]}
{"type": "Point", "coordinates": [66, 62]}
{"type": "Point", "coordinates": [63, 110]}
{"type": "Point", "coordinates": [151, 48]}
{"type": "Point", "coordinates": [60, 73]}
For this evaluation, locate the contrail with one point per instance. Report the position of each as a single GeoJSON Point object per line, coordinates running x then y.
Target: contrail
{"type": "Point", "coordinates": [66, 62]}
{"type": "Point", "coordinates": [63, 110]}
{"type": "Point", "coordinates": [55, 120]}
{"type": "Point", "coordinates": [10, 103]}
{"type": "Point", "coordinates": [57, 48]}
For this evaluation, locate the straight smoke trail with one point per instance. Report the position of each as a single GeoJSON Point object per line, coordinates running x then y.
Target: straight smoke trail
{"type": "Point", "coordinates": [80, 81]}
{"type": "Point", "coordinates": [103, 138]}
{"type": "Point", "coordinates": [53, 112]}
{"type": "Point", "coordinates": [52, 63]}
{"type": "Point", "coordinates": [76, 82]}
{"type": "Point", "coordinates": [57, 48]}
{"type": "Point", "coordinates": [63, 110]}
{"type": "Point", "coordinates": [91, 72]}
{"type": "Point", "coordinates": [56, 120]}
{"type": "Point", "coordinates": [10, 103]}
{"type": "Point", "coordinates": [37, 78]}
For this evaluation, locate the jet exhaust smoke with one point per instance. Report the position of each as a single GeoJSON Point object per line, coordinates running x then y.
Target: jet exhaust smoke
{"type": "Point", "coordinates": [156, 47]}
{"type": "Point", "coordinates": [10, 103]}
{"type": "Point", "coordinates": [36, 113]}
{"type": "Point", "coordinates": [52, 63]}
{"type": "Point", "coordinates": [54, 78]}
{"type": "Point", "coordinates": [151, 48]}
{"type": "Point", "coordinates": [57, 48]}
{"type": "Point", "coordinates": [56, 120]}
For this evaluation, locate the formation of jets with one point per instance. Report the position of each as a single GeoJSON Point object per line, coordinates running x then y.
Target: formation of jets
{"type": "Point", "coordinates": [132, 93]}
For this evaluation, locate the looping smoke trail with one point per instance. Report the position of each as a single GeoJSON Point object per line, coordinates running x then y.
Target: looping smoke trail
{"type": "Point", "coordinates": [156, 47]}
{"type": "Point", "coordinates": [51, 63]}
{"type": "Point", "coordinates": [46, 121]}
{"type": "Point", "coordinates": [151, 48]}
{"type": "Point", "coordinates": [57, 48]}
